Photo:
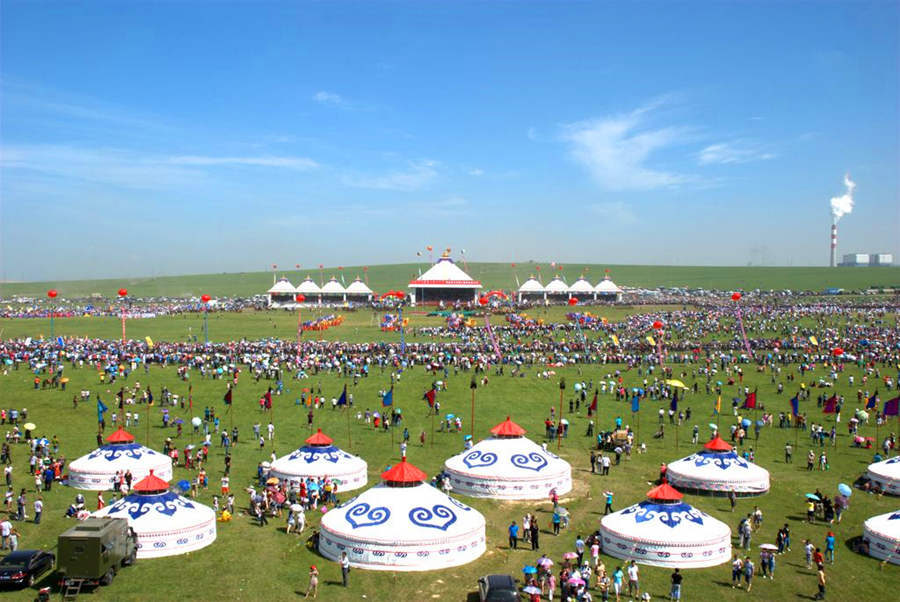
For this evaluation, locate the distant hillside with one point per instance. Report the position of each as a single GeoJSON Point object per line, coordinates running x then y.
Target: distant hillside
{"type": "Point", "coordinates": [492, 275]}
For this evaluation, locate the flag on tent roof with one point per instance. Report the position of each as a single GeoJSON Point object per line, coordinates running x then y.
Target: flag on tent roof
{"type": "Point", "coordinates": [872, 404]}
{"type": "Point", "coordinates": [795, 405]}
{"type": "Point", "coordinates": [342, 400]}
{"type": "Point", "coordinates": [750, 401]}
{"type": "Point", "coordinates": [430, 396]}
{"type": "Point", "coordinates": [388, 399]}
{"type": "Point", "coordinates": [892, 407]}
{"type": "Point", "coordinates": [830, 405]}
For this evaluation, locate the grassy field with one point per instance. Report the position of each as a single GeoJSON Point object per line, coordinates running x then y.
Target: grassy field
{"type": "Point", "coordinates": [250, 563]}
{"type": "Point", "coordinates": [492, 275]}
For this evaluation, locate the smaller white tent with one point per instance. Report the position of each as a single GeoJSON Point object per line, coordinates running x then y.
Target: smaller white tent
{"type": "Point", "coordinates": [531, 288]}
{"type": "Point", "coordinates": [664, 531]}
{"type": "Point", "coordinates": [166, 523]}
{"type": "Point", "coordinates": [581, 287]}
{"type": "Point", "coordinates": [882, 533]}
{"type": "Point", "coordinates": [282, 293]}
{"type": "Point", "coordinates": [358, 288]}
{"type": "Point", "coordinates": [97, 470]}
{"type": "Point", "coordinates": [886, 474]}
{"type": "Point", "coordinates": [607, 289]}
{"type": "Point", "coordinates": [718, 470]}
{"type": "Point", "coordinates": [557, 286]}
{"type": "Point", "coordinates": [319, 458]}
{"type": "Point", "coordinates": [333, 290]}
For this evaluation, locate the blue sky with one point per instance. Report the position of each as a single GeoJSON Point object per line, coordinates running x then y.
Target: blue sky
{"type": "Point", "coordinates": [164, 138]}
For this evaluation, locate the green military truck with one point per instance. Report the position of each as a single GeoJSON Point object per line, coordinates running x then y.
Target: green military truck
{"type": "Point", "coordinates": [91, 552]}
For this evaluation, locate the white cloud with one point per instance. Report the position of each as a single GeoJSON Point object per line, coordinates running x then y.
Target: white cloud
{"type": "Point", "coordinates": [130, 169]}
{"type": "Point", "coordinates": [616, 211]}
{"type": "Point", "coordinates": [532, 133]}
{"type": "Point", "coordinates": [476, 172]}
{"type": "Point", "coordinates": [298, 163]}
{"type": "Point", "coordinates": [417, 175]}
{"type": "Point", "coordinates": [616, 150]}
{"type": "Point", "coordinates": [732, 152]}
{"type": "Point", "coordinates": [329, 98]}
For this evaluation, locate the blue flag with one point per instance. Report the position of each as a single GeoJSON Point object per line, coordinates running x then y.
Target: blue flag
{"type": "Point", "coordinates": [101, 407]}
{"type": "Point", "coordinates": [342, 400]}
{"type": "Point", "coordinates": [795, 406]}
{"type": "Point", "coordinates": [388, 399]}
{"type": "Point", "coordinates": [673, 405]}
{"type": "Point", "coordinates": [873, 402]}
{"type": "Point", "coordinates": [635, 403]}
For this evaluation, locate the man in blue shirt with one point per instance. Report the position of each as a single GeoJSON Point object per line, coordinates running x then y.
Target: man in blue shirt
{"type": "Point", "coordinates": [513, 535]}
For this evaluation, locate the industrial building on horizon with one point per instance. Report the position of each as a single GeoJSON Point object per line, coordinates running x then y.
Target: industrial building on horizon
{"type": "Point", "coordinates": [867, 260]}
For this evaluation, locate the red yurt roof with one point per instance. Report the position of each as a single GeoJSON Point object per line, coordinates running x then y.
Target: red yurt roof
{"type": "Point", "coordinates": [120, 436]}
{"type": "Point", "coordinates": [319, 439]}
{"type": "Point", "coordinates": [508, 428]}
{"type": "Point", "coordinates": [717, 444]}
{"type": "Point", "coordinates": [404, 472]}
{"type": "Point", "coordinates": [664, 493]}
{"type": "Point", "coordinates": [151, 484]}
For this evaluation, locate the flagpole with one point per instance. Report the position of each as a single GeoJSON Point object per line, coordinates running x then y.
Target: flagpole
{"type": "Point", "coordinates": [473, 386]}
{"type": "Point", "coordinates": [432, 428]}
{"type": "Point", "coordinates": [349, 436]}
{"type": "Point", "coordinates": [559, 430]}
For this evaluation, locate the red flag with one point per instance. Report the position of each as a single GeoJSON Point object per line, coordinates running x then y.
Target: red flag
{"type": "Point", "coordinates": [750, 401]}
{"type": "Point", "coordinates": [227, 397]}
{"type": "Point", "coordinates": [191, 397]}
{"type": "Point", "coordinates": [830, 405]}
{"type": "Point", "coordinates": [892, 407]}
{"type": "Point", "coordinates": [593, 407]}
{"type": "Point", "coordinates": [430, 397]}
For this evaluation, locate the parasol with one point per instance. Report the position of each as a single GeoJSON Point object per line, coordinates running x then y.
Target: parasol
{"type": "Point", "coordinates": [529, 570]}
{"type": "Point", "coordinates": [575, 581]}
{"type": "Point", "coordinates": [674, 382]}
{"type": "Point", "coordinates": [530, 589]}
{"type": "Point", "coordinates": [570, 555]}
{"type": "Point", "coordinates": [768, 546]}
{"type": "Point", "coordinates": [845, 490]}
{"type": "Point", "coordinates": [296, 508]}
{"type": "Point", "coordinates": [272, 481]}
{"type": "Point", "coordinates": [813, 497]}
{"type": "Point", "coordinates": [29, 426]}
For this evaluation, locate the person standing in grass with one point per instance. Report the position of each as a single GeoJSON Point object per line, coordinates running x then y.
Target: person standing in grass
{"type": "Point", "coordinates": [345, 568]}
{"type": "Point", "coordinates": [609, 501]}
{"type": "Point", "coordinates": [737, 567]}
{"type": "Point", "coordinates": [749, 571]}
{"type": "Point", "coordinates": [535, 533]}
{"type": "Point", "coordinates": [677, 578]}
{"type": "Point", "coordinates": [820, 581]}
{"type": "Point", "coordinates": [513, 535]}
{"type": "Point", "coordinates": [313, 587]}
{"type": "Point", "coordinates": [829, 547]}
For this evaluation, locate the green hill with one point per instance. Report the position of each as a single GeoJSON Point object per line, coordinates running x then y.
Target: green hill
{"type": "Point", "coordinates": [492, 275]}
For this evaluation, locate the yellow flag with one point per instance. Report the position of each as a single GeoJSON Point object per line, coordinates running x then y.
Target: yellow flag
{"type": "Point", "coordinates": [718, 404]}
{"type": "Point", "coordinates": [615, 340]}
{"type": "Point", "coordinates": [149, 342]}
{"type": "Point", "coordinates": [814, 341]}
{"type": "Point", "coordinates": [650, 340]}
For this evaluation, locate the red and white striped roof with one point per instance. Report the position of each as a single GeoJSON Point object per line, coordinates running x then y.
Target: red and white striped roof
{"type": "Point", "coordinates": [445, 274]}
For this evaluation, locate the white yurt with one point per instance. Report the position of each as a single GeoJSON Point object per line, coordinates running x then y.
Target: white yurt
{"type": "Point", "coordinates": [664, 531]}
{"type": "Point", "coordinates": [886, 474]}
{"type": "Point", "coordinates": [582, 288]}
{"type": "Point", "coordinates": [309, 289]}
{"type": "Point", "coordinates": [557, 286]}
{"type": "Point", "coordinates": [606, 289]}
{"type": "Point", "coordinates": [403, 524]}
{"type": "Point", "coordinates": [333, 290]}
{"type": "Point", "coordinates": [508, 466]}
{"type": "Point", "coordinates": [320, 458]}
{"type": "Point", "coordinates": [359, 290]}
{"type": "Point", "coordinates": [166, 523]}
{"type": "Point", "coordinates": [882, 533]}
{"type": "Point", "coordinates": [717, 470]}
{"type": "Point", "coordinates": [97, 470]}
{"type": "Point", "coordinates": [281, 293]}
{"type": "Point", "coordinates": [444, 281]}
{"type": "Point", "coordinates": [531, 289]}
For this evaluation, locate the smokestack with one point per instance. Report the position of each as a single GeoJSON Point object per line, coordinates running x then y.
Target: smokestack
{"type": "Point", "coordinates": [833, 242]}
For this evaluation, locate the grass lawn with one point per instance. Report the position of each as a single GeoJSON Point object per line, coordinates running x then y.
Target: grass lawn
{"type": "Point", "coordinates": [492, 275]}
{"type": "Point", "coordinates": [251, 563]}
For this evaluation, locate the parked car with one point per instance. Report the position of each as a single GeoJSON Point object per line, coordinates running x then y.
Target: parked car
{"type": "Point", "coordinates": [23, 567]}
{"type": "Point", "coordinates": [497, 588]}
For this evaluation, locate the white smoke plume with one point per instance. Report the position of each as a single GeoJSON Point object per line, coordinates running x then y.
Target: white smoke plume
{"type": "Point", "coordinates": [842, 205]}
